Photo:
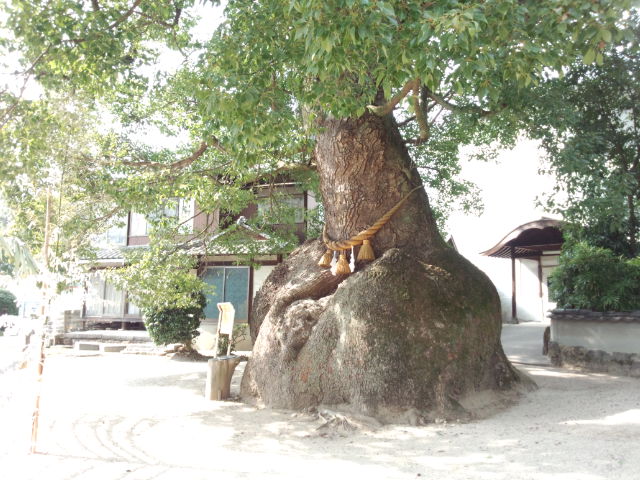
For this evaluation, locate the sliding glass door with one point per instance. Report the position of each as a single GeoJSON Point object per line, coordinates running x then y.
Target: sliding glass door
{"type": "Point", "coordinates": [231, 284]}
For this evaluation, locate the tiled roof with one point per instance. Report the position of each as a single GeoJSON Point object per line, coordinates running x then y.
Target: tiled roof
{"type": "Point", "coordinates": [248, 241]}
{"type": "Point", "coordinates": [115, 253]}
{"type": "Point", "coordinates": [529, 239]}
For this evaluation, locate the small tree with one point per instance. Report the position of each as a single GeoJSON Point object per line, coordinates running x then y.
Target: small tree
{"type": "Point", "coordinates": [168, 292]}
{"type": "Point", "coordinates": [176, 325]}
{"type": "Point", "coordinates": [8, 304]}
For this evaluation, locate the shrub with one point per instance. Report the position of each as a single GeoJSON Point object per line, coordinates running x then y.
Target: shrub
{"type": "Point", "coordinates": [595, 278]}
{"type": "Point", "coordinates": [175, 325]}
{"type": "Point", "coordinates": [8, 305]}
{"type": "Point", "coordinates": [239, 334]}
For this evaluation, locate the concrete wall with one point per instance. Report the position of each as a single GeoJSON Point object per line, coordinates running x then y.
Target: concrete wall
{"type": "Point", "coordinates": [609, 332]}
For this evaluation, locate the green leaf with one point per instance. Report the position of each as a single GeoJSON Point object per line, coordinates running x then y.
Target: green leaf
{"type": "Point", "coordinates": [589, 57]}
{"type": "Point", "coordinates": [387, 9]}
{"type": "Point", "coordinates": [599, 59]}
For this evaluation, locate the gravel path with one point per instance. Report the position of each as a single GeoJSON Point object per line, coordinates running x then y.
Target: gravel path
{"type": "Point", "coordinates": [136, 417]}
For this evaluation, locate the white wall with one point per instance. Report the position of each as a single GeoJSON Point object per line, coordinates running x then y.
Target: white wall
{"type": "Point", "coordinates": [311, 201]}
{"type": "Point", "coordinates": [597, 335]}
{"type": "Point", "coordinates": [259, 276]}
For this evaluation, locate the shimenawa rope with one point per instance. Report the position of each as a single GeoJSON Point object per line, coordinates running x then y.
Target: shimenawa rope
{"type": "Point", "coordinates": [361, 238]}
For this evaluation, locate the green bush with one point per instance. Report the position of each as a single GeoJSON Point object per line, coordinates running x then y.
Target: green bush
{"type": "Point", "coordinates": [175, 325]}
{"type": "Point", "coordinates": [8, 305]}
{"type": "Point", "coordinates": [239, 334]}
{"type": "Point", "coordinates": [595, 278]}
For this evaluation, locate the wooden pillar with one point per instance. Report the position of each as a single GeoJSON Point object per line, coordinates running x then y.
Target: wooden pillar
{"type": "Point", "coordinates": [540, 292]}
{"type": "Point", "coordinates": [514, 308]}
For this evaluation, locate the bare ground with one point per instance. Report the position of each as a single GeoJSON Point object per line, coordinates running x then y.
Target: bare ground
{"type": "Point", "coordinates": [135, 417]}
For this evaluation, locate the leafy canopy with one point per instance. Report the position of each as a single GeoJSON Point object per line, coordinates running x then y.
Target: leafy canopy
{"type": "Point", "coordinates": [589, 124]}
{"type": "Point", "coordinates": [242, 103]}
{"type": "Point", "coordinates": [271, 66]}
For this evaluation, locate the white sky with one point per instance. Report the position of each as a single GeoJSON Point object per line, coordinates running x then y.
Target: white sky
{"type": "Point", "coordinates": [509, 188]}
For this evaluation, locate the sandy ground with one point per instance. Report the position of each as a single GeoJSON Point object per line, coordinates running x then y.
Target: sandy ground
{"type": "Point", "coordinates": [137, 417]}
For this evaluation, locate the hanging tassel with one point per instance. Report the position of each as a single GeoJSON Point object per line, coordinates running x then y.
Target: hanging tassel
{"type": "Point", "coordinates": [366, 252]}
{"type": "Point", "coordinates": [343, 265]}
{"type": "Point", "coordinates": [352, 261]}
{"type": "Point", "coordinates": [325, 261]}
{"type": "Point", "coordinates": [334, 263]}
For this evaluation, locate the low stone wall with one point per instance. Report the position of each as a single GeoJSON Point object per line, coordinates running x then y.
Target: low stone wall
{"type": "Point", "coordinates": [599, 342]}
{"type": "Point", "coordinates": [595, 360]}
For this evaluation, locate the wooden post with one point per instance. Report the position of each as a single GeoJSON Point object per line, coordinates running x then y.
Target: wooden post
{"type": "Point", "coordinates": [514, 308]}
{"type": "Point", "coordinates": [44, 314]}
{"type": "Point", "coordinates": [36, 412]}
{"type": "Point", "coordinates": [540, 292]}
{"type": "Point", "coordinates": [219, 373]}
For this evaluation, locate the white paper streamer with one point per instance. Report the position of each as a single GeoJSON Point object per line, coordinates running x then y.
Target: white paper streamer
{"type": "Point", "coordinates": [334, 263]}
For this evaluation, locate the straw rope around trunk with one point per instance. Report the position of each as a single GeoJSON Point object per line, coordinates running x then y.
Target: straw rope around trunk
{"type": "Point", "coordinates": [360, 237]}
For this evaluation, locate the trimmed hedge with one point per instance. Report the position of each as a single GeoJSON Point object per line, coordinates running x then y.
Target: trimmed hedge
{"type": "Point", "coordinates": [175, 325]}
{"type": "Point", "coordinates": [594, 278]}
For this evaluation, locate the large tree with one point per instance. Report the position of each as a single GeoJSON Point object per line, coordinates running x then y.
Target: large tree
{"type": "Point", "coordinates": [281, 87]}
{"type": "Point", "coordinates": [589, 124]}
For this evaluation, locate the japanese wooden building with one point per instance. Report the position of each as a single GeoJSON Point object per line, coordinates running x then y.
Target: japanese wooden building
{"type": "Point", "coordinates": [533, 249]}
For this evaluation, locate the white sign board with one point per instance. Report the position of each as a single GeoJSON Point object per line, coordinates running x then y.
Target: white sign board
{"type": "Point", "coordinates": [225, 318]}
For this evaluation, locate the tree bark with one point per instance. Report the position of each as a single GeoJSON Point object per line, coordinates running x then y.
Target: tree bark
{"type": "Point", "coordinates": [413, 335]}
{"type": "Point", "coordinates": [365, 170]}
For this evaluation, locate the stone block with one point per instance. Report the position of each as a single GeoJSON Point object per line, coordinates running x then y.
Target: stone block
{"type": "Point", "coordinates": [87, 346]}
{"type": "Point", "coordinates": [555, 354]}
{"type": "Point", "coordinates": [621, 358]}
{"type": "Point", "coordinates": [110, 347]}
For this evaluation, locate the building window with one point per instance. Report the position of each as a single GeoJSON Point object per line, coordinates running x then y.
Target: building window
{"type": "Point", "coordinates": [179, 208]}
{"type": "Point", "coordinates": [282, 208]}
{"type": "Point", "coordinates": [132, 310]}
{"type": "Point", "coordinates": [115, 235]}
{"type": "Point", "coordinates": [231, 284]}
{"type": "Point", "coordinates": [138, 227]}
{"type": "Point", "coordinates": [103, 298]}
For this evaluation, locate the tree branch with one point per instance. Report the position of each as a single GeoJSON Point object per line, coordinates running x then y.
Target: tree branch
{"type": "Point", "coordinates": [95, 5]}
{"type": "Point", "coordinates": [457, 108]}
{"type": "Point", "coordinates": [421, 117]}
{"type": "Point", "coordinates": [183, 163]}
{"type": "Point", "coordinates": [158, 21]}
{"type": "Point", "coordinates": [6, 115]}
{"type": "Point", "coordinates": [382, 110]}
{"type": "Point", "coordinates": [125, 15]}
{"type": "Point", "coordinates": [406, 121]}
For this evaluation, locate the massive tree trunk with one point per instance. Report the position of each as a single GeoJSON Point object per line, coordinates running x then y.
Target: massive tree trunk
{"type": "Point", "coordinates": [414, 334]}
